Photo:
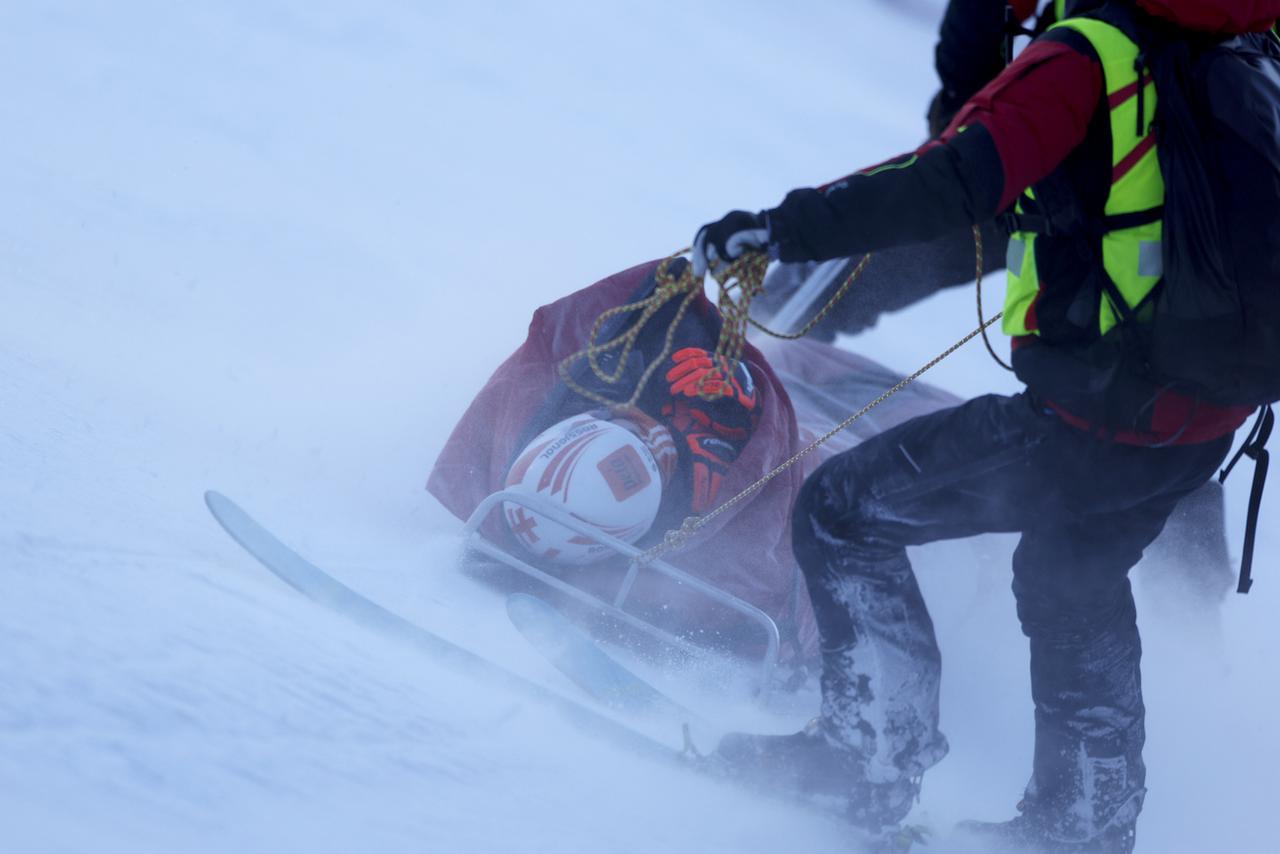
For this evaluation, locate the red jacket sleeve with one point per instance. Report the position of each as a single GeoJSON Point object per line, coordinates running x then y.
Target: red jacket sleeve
{"type": "Point", "coordinates": [1010, 135]}
{"type": "Point", "coordinates": [1037, 111]}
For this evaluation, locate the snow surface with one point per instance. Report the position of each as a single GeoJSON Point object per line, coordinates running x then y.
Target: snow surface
{"type": "Point", "coordinates": [273, 247]}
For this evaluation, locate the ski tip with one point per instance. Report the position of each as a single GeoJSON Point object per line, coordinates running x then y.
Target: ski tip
{"type": "Point", "coordinates": [219, 505]}
{"type": "Point", "coordinates": [223, 510]}
{"type": "Point", "coordinates": [226, 512]}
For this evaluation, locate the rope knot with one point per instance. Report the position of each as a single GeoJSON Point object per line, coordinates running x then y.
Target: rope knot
{"type": "Point", "coordinates": [671, 540]}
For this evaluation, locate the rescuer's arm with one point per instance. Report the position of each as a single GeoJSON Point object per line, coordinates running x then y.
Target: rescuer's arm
{"type": "Point", "coordinates": [1013, 133]}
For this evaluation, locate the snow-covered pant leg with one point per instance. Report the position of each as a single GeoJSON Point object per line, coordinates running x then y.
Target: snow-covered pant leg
{"type": "Point", "coordinates": [880, 666]}
{"type": "Point", "coordinates": [925, 480]}
{"type": "Point", "coordinates": [1076, 607]}
{"type": "Point", "coordinates": [1086, 508]}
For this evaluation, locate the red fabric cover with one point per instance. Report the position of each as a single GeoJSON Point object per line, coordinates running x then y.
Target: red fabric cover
{"type": "Point", "coordinates": [1217, 16]}
{"type": "Point", "coordinates": [1037, 111]}
{"type": "Point", "coordinates": [746, 552]}
{"type": "Point", "coordinates": [474, 461]}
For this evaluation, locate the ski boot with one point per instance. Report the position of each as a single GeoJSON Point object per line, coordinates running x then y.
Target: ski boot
{"type": "Point", "coordinates": [1025, 834]}
{"type": "Point", "coordinates": [816, 769]}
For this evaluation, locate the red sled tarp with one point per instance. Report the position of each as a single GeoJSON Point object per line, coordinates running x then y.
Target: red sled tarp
{"type": "Point", "coordinates": [805, 388]}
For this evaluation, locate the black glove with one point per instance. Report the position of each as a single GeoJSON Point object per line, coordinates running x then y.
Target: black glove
{"type": "Point", "coordinates": [727, 239]}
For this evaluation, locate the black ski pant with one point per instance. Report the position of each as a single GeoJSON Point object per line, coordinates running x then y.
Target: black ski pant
{"type": "Point", "coordinates": [1086, 509]}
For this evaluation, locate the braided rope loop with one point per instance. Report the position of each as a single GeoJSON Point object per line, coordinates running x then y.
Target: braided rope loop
{"type": "Point", "coordinates": [977, 242]}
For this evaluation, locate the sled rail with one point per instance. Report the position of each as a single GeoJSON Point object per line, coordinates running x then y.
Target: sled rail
{"type": "Point", "coordinates": [616, 608]}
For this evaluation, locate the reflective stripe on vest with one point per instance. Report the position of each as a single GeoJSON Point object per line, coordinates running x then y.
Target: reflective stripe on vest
{"type": "Point", "coordinates": [1131, 256]}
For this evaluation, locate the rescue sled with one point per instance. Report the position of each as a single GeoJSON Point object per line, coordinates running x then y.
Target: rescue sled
{"type": "Point", "coordinates": [734, 588]}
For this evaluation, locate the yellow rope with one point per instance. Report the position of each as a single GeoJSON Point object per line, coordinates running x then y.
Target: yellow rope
{"type": "Point", "coordinates": [740, 282]}
{"type": "Point", "coordinates": [977, 242]}
{"type": "Point", "coordinates": [668, 287]}
{"type": "Point", "coordinates": [825, 310]}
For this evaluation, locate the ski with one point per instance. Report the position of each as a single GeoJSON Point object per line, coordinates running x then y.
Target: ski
{"type": "Point", "coordinates": [315, 584]}
{"type": "Point", "coordinates": [322, 588]}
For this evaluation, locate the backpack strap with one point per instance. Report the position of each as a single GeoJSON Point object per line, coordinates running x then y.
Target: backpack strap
{"type": "Point", "coordinates": [1254, 447]}
{"type": "Point", "coordinates": [1041, 224]}
{"type": "Point", "coordinates": [1013, 28]}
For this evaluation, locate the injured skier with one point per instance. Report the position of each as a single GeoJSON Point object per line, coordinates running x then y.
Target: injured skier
{"type": "Point", "coordinates": [673, 454]}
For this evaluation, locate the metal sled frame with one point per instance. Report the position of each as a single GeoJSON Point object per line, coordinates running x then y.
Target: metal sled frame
{"type": "Point", "coordinates": [617, 608]}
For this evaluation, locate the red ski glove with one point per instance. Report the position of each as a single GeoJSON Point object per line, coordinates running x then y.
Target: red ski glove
{"type": "Point", "coordinates": [710, 457]}
{"type": "Point", "coordinates": [731, 410]}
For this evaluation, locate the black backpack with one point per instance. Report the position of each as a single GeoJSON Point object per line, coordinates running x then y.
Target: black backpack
{"type": "Point", "coordinates": [1214, 326]}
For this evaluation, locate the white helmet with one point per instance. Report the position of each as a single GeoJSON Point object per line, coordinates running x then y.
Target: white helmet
{"type": "Point", "coordinates": [597, 471]}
